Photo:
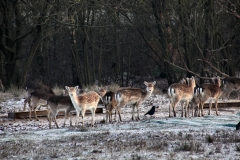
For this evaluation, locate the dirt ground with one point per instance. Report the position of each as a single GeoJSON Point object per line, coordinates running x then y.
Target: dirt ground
{"type": "Point", "coordinates": [157, 137]}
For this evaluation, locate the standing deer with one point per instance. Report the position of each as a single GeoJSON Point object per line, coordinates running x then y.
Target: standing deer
{"type": "Point", "coordinates": [230, 84]}
{"type": "Point", "coordinates": [134, 97]}
{"type": "Point", "coordinates": [83, 102]}
{"type": "Point", "coordinates": [60, 103]}
{"type": "Point", "coordinates": [110, 101]}
{"type": "Point", "coordinates": [181, 92]}
{"type": "Point", "coordinates": [211, 92]}
{"type": "Point", "coordinates": [35, 98]}
{"type": "Point", "coordinates": [36, 87]}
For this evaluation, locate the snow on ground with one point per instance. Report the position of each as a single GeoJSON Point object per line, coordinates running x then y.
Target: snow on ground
{"type": "Point", "coordinates": [159, 137]}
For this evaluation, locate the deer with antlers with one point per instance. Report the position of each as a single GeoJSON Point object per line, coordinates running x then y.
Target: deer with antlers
{"type": "Point", "coordinates": [134, 97]}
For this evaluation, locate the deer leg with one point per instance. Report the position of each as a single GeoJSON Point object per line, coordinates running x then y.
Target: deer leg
{"type": "Point", "coordinates": [169, 109]}
{"type": "Point", "coordinates": [50, 119]}
{"type": "Point", "coordinates": [187, 109]}
{"type": "Point", "coordinates": [210, 106]}
{"type": "Point", "coordinates": [54, 118]}
{"type": "Point", "coordinates": [30, 113]}
{"type": "Point", "coordinates": [182, 105]}
{"type": "Point", "coordinates": [202, 113]}
{"type": "Point", "coordinates": [137, 106]}
{"type": "Point", "coordinates": [93, 116]}
{"type": "Point", "coordinates": [65, 117]}
{"type": "Point", "coordinates": [216, 105]}
{"type": "Point", "coordinates": [83, 114]}
{"type": "Point", "coordinates": [106, 116]}
{"type": "Point", "coordinates": [77, 114]}
{"type": "Point", "coordinates": [119, 115]}
{"type": "Point", "coordinates": [133, 110]}
{"type": "Point", "coordinates": [35, 112]}
{"type": "Point", "coordinates": [70, 114]}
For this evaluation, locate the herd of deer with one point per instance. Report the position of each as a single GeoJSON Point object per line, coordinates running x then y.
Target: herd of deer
{"type": "Point", "coordinates": [74, 100]}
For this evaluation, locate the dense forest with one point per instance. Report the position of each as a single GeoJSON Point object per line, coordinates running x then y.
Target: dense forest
{"type": "Point", "coordinates": [69, 42]}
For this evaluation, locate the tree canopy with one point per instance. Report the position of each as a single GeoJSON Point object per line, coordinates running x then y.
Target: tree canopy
{"type": "Point", "coordinates": [68, 42]}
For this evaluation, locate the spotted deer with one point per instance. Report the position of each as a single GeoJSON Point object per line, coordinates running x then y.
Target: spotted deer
{"type": "Point", "coordinates": [181, 92]}
{"type": "Point", "coordinates": [134, 97]}
{"type": "Point", "coordinates": [35, 99]}
{"type": "Point", "coordinates": [209, 92]}
{"type": "Point", "coordinates": [195, 102]}
{"type": "Point", "coordinates": [59, 103]}
{"type": "Point", "coordinates": [83, 102]}
{"type": "Point", "coordinates": [230, 84]}
{"type": "Point", "coordinates": [36, 87]}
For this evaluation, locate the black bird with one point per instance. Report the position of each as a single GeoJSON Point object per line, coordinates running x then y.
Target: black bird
{"type": "Point", "coordinates": [238, 126]}
{"type": "Point", "coordinates": [151, 112]}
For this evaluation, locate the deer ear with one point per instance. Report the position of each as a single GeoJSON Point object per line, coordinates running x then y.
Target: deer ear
{"type": "Point", "coordinates": [76, 87]}
{"type": "Point", "coordinates": [67, 88]}
{"type": "Point", "coordinates": [145, 83]}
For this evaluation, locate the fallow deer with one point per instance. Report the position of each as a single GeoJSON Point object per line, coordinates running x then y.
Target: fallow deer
{"type": "Point", "coordinates": [110, 101]}
{"type": "Point", "coordinates": [36, 87]}
{"type": "Point", "coordinates": [230, 84]}
{"type": "Point", "coordinates": [35, 98]}
{"type": "Point", "coordinates": [60, 103]}
{"type": "Point", "coordinates": [134, 97]}
{"type": "Point", "coordinates": [83, 102]}
{"type": "Point", "coordinates": [181, 92]}
{"type": "Point", "coordinates": [211, 92]}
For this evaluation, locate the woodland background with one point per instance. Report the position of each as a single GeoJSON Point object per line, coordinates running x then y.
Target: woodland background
{"type": "Point", "coordinates": [84, 42]}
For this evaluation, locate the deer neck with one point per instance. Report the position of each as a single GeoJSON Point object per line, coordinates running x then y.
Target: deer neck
{"type": "Point", "coordinates": [146, 94]}
{"type": "Point", "coordinates": [74, 98]}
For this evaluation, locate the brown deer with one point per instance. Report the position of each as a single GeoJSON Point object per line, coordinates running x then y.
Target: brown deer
{"type": "Point", "coordinates": [59, 103]}
{"type": "Point", "coordinates": [83, 102]}
{"type": "Point", "coordinates": [134, 97]}
{"type": "Point", "coordinates": [35, 98]}
{"type": "Point", "coordinates": [230, 84]}
{"type": "Point", "coordinates": [36, 87]}
{"type": "Point", "coordinates": [110, 101]}
{"type": "Point", "coordinates": [211, 92]}
{"type": "Point", "coordinates": [181, 92]}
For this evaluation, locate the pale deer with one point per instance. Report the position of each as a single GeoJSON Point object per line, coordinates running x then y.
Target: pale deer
{"type": "Point", "coordinates": [83, 102]}
{"type": "Point", "coordinates": [134, 97]}
{"type": "Point", "coordinates": [36, 87]}
{"type": "Point", "coordinates": [209, 92]}
{"type": "Point", "coordinates": [181, 92]}
{"type": "Point", "coordinates": [35, 98]}
{"type": "Point", "coordinates": [230, 84]}
{"type": "Point", "coordinates": [60, 103]}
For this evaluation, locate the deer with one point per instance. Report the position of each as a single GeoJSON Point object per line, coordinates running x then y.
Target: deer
{"type": "Point", "coordinates": [181, 92]}
{"type": "Point", "coordinates": [36, 87]}
{"type": "Point", "coordinates": [59, 103]}
{"type": "Point", "coordinates": [35, 98]}
{"type": "Point", "coordinates": [134, 97]}
{"type": "Point", "coordinates": [211, 92]}
{"type": "Point", "coordinates": [230, 84]}
{"type": "Point", "coordinates": [109, 101]}
{"type": "Point", "coordinates": [111, 104]}
{"type": "Point", "coordinates": [83, 102]}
